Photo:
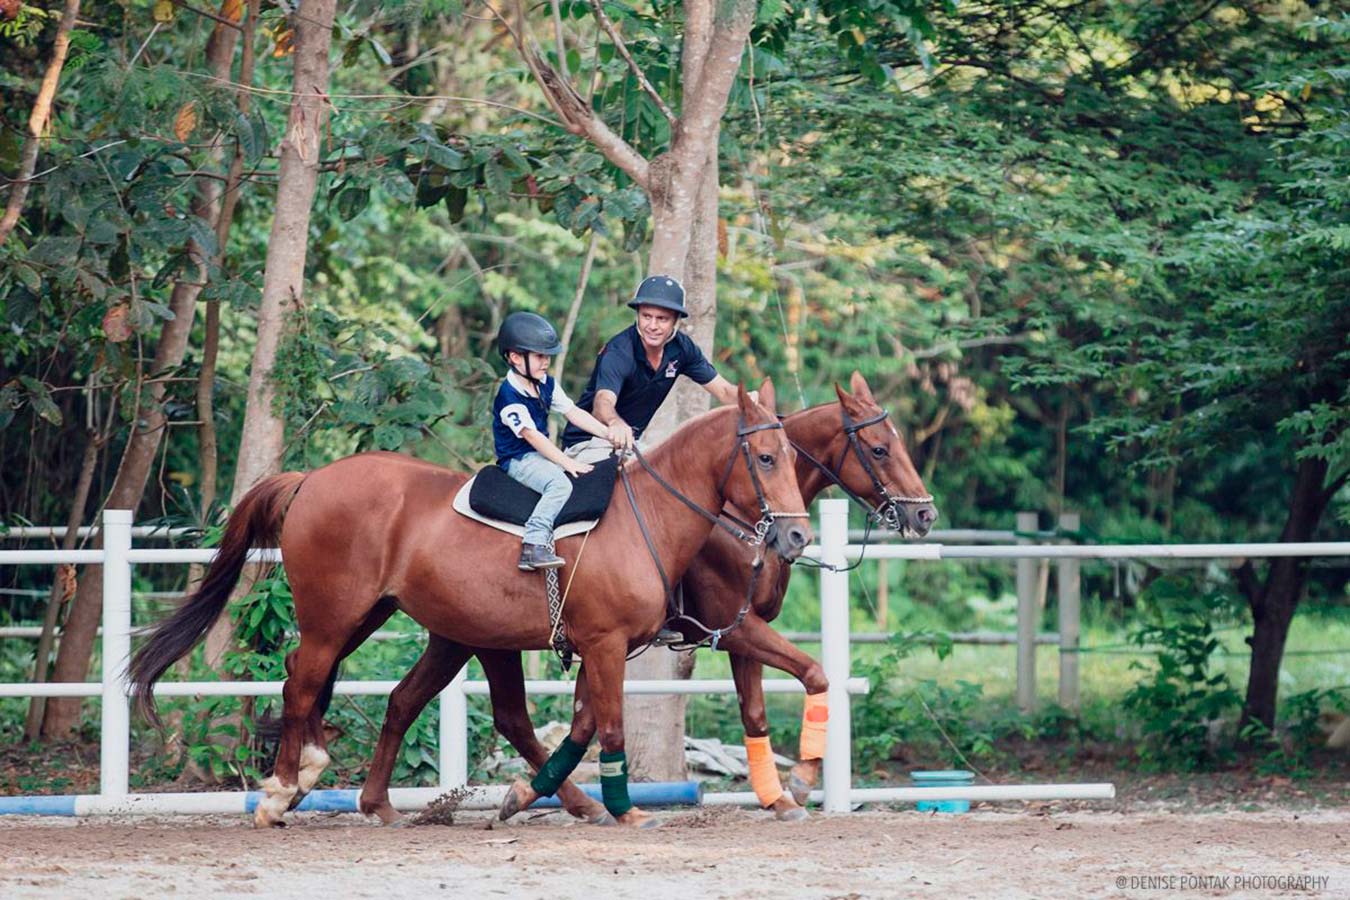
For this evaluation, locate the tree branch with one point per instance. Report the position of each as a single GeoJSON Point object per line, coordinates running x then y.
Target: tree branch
{"type": "Point", "coordinates": [622, 48]}
{"type": "Point", "coordinates": [576, 114]}
{"type": "Point", "coordinates": [37, 121]}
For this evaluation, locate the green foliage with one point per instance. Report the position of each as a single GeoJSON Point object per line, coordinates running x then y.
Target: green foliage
{"type": "Point", "coordinates": [1182, 700]}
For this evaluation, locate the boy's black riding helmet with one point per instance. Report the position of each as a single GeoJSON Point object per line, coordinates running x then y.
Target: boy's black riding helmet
{"type": "Point", "coordinates": [662, 291]}
{"type": "Point", "coordinates": [527, 332]}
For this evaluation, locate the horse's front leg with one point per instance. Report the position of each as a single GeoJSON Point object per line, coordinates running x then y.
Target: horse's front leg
{"type": "Point", "coordinates": [553, 774]}
{"type": "Point", "coordinates": [749, 676]}
{"type": "Point", "coordinates": [598, 707]}
{"type": "Point", "coordinates": [510, 714]}
{"type": "Point", "coordinates": [756, 640]}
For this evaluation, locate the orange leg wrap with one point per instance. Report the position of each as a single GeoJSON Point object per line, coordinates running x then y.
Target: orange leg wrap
{"type": "Point", "coordinates": [815, 714]}
{"type": "Point", "coordinates": [763, 773]}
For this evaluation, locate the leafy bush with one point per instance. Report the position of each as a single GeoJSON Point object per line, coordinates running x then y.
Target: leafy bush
{"type": "Point", "coordinates": [1181, 703]}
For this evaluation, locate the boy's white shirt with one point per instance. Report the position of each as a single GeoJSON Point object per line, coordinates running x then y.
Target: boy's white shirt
{"type": "Point", "coordinates": [516, 417]}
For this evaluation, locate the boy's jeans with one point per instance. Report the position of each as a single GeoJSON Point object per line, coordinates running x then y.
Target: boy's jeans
{"type": "Point", "coordinates": [554, 486]}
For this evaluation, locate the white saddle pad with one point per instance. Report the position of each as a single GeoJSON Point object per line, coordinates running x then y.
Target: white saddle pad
{"type": "Point", "coordinates": [461, 506]}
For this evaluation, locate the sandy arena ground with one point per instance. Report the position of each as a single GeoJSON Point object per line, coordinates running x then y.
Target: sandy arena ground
{"type": "Point", "coordinates": [1014, 852]}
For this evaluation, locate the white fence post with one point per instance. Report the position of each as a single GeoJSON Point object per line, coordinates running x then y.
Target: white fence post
{"type": "Point", "coordinates": [454, 733]}
{"type": "Point", "coordinates": [115, 734]}
{"type": "Point", "coordinates": [1069, 590]}
{"type": "Point", "coordinates": [1028, 619]}
{"type": "Point", "coordinates": [834, 655]}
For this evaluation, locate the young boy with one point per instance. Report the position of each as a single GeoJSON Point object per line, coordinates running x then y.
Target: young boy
{"type": "Point", "coordinates": [520, 430]}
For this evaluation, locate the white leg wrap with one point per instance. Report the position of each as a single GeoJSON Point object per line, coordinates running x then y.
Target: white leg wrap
{"type": "Point", "coordinates": [313, 760]}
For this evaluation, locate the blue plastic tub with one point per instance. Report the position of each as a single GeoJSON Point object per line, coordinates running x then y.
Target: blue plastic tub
{"type": "Point", "coordinates": [943, 778]}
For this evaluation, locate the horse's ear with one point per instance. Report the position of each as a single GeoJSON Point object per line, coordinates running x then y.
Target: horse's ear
{"type": "Point", "coordinates": [767, 398]}
{"type": "Point", "coordinates": [845, 398]}
{"type": "Point", "coordinates": [860, 388]}
{"type": "Point", "coordinates": [743, 398]}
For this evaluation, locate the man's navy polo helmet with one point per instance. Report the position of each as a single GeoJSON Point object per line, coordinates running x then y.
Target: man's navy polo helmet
{"type": "Point", "coordinates": [662, 291]}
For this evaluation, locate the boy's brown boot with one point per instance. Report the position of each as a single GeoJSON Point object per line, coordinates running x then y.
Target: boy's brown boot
{"type": "Point", "coordinates": [537, 556]}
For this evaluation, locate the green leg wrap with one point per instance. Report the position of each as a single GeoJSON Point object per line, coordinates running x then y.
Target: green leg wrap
{"type": "Point", "coordinates": [614, 782]}
{"type": "Point", "coordinates": [558, 767]}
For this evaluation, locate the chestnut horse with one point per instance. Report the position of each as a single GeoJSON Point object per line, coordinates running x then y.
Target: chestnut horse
{"type": "Point", "coordinates": [849, 443]}
{"type": "Point", "coordinates": [374, 532]}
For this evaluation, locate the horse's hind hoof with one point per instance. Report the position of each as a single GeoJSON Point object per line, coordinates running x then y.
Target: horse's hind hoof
{"type": "Point", "coordinates": [605, 819]}
{"type": "Point", "coordinates": [792, 814]}
{"type": "Point", "coordinates": [800, 790]}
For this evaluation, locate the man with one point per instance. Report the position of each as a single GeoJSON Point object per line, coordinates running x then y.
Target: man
{"type": "Point", "coordinates": [637, 369]}
{"type": "Point", "coordinates": [635, 372]}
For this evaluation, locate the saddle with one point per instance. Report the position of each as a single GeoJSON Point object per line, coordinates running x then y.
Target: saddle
{"type": "Point", "coordinates": [496, 499]}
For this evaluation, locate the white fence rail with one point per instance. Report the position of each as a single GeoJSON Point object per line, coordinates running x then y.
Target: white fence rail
{"type": "Point", "coordinates": [117, 557]}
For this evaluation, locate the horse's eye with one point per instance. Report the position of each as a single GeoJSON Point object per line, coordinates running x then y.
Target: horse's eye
{"type": "Point", "coordinates": [880, 452]}
{"type": "Point", "coordinates": [766, 460]}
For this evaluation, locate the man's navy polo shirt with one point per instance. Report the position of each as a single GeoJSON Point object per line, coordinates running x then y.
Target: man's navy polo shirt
{"type": "Point", "coordinates": [622, 367]}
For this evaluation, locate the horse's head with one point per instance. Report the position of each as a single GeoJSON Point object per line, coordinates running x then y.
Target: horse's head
{"type": "Point", "coordinates": [761, 475]}
{"type": "Point", "coordinates": [875, 466]}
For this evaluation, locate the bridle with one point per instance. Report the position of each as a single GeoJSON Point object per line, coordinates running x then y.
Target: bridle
{"type": "Point", "coordinates": [887, 512]}
{"type": "Point", "coordinates": [754, 535]}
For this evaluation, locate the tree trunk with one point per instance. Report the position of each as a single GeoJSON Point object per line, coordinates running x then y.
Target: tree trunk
{"type": "Point", "coordinates": [77, 641]}
{"type": "Point", "coordinates": [675, 177]}
{"type": "Point", "coordinates": [37, 121]}
{"type": "Point", "coordinates": [218, 638]}
{"type": "Point", "coordinates": [654, 725]}
{"type": "Point", "coordinates": [262, 442]}
{"type": "Point", "coordinates": [1273, 608]}
{"type": "Point", "coordinates": [32, 728]}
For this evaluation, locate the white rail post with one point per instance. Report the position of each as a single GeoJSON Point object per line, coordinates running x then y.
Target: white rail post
{"type": "Point", "coordinates": [1028, 619]}
{"type": "Point", "coordinates": [834, 655]}
{"type": "Point", "coordinates": [454, 733]}
{"type": "Point", "coordinates": [1069, 589]}
{"type": "Point", "coordinates": [115, 733]}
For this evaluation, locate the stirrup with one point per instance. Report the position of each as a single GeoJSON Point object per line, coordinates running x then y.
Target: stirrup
{"type": "Point", "coordinates": [665, 637]}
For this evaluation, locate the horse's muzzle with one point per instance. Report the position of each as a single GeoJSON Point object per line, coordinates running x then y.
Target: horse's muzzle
{"type": "Point", "coordinates": [920, 517]}
{"type": "Point", "coordinates": [788, 539]}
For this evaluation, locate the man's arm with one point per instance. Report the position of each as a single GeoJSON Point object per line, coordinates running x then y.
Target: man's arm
{"type": "Point", "coordinates": [719, 387]}
{"type": "Point", "coordinates": [619, 432]}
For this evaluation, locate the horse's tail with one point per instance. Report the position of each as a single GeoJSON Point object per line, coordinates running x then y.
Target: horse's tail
{"type": "Point", "coordinates": [256, 522]}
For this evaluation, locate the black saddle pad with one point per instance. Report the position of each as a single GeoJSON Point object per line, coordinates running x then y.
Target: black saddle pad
{"type": "Point", "coordinates": [499, 496]}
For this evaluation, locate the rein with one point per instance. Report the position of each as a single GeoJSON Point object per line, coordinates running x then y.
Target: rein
{"type": "Point", "coordinates": [755, 536]}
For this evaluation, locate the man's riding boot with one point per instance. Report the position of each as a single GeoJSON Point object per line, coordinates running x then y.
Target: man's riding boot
{"type": "Point", "coordinates": [537, 556]}
{"type": "Point", "coordinates": [665, 637]}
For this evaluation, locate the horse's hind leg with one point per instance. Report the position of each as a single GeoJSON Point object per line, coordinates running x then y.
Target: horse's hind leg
{"type": "Point", "coordinates": [310, 666]}
{"type": "Point", "coordinates": [510, 715]}
{"type": "Point", "coordinates": [314, 751]}
{"type": "Point", "coordinates": [438, 665]}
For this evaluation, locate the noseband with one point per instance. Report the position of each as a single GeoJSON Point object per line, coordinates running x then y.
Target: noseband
{"type": "Point", "coordinates": [885, 513]}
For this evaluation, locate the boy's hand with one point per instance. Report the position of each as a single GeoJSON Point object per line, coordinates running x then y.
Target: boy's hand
{"type": "Point", "coordinates": [574, 468]}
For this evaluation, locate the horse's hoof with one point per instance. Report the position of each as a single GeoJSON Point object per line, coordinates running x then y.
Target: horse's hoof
{"type": "Point", "coordinates": [604, 819]}
{"type": "Point", "coordinates": [799, 789]}
{"type": "Point", "coordinates": [791, 814]}
{"type": "Point", "coordinates": [636, 818]}
{"type": "Point", "coordinates": [296, 800]}
{"type": "Point", "coordinates": [514, 802]}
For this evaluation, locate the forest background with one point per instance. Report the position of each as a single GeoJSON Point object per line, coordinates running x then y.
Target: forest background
{"type": "Point", "coordinates": [1091, 255]}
